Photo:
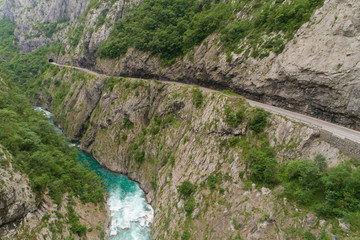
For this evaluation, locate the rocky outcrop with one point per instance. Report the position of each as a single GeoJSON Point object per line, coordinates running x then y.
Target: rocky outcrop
{"type": "Point", "coordinates": [33, 19]}
{"type": "Point", "coordinates": [16, 196]}
{"type": "Point", "coordinates": [317, 74]}
{"type": "Point", "coordinates": [21, 217]}
{"type": "Point", "coordinates": [154, 133]}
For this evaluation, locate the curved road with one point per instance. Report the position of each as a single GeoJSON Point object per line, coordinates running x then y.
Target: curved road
{"type": "Point", "coordinates": [337, 130]}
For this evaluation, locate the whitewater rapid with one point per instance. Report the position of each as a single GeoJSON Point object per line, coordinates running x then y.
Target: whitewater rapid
{"type": "Point", "coordinates": [131, 215]}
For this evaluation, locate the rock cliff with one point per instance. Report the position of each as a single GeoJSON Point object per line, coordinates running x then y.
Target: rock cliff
{"type": "Point", "coordinates": [158, 135]}
{"type": "Point", "coordinates": [317, 73]}
{"type": "Point", "coordinates": [26, 214]}
{"type": "Point", "coordinates": [16, 196]}
{"type": "Point", "coordinates": [37, 20]}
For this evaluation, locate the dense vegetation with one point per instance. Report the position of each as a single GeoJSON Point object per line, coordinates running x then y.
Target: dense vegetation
{"type": "Point", "coordinates": [43, 153]}
{"type": "Point", "coordinates": [39, 150]}
{"type": "Point", "coordinates": [169, 28]}
{"type": "Point", "coordinates": [24, 70]}
{"type": "Point", "coordinates": [7, 39]}
{"type": "Point", "coordinates": [166, 28]}
{"type": "Point", "coordinates": [329, 192]}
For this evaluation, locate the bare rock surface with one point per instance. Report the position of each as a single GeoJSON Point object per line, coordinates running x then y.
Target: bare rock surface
{"type": "Point", "coordinates": [190, 143]}
{"type": "Point", "coordinates": [16, 196]}
{"type": "Point", "coordinates": [317, 74]}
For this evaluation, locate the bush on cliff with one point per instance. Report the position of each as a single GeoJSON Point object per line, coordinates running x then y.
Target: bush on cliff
{"type": "Point", "coordinates": [170, 28]}
{"type": "Point", "coordinates": [186, 188]}
{"type": "Point", "coordinates": [43, 153]}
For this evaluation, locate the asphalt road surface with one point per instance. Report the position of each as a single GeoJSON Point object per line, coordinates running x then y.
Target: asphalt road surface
{"type": "Point", "coordinates": [337, 130]}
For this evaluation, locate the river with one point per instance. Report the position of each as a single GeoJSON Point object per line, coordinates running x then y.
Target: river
{"type": "Point", "coordinates": [131, 215]}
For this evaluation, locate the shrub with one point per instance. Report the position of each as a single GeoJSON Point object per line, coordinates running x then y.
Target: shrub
{"type": "Point", "coordinates": [186, 235]}
{"type": "Point", "coordinates": [213, 180]}
{"type": "Point", "coordinates": [186, 188]}
{"type": "Point", "coordinates": [320, 161]}
{"type": "Point", "coordinates": [198, 97]}
{"type": "Point", "coordinates": [263, 168]}
{"type": "Point", "coordinates": [259, 120]}
{"type": "Point", "coordinates": [165, 28]}
{"type": "Point", "coordinates": [308, 236]}
{"type": "Point", "coordinates": [189, 205]}
{"type": "Point", "coordinates": [139, 156]}
{"type": "Point", "coordinates": [233, 118]}
{"type": "Point", "coordinates": [233, 141]}
{"type": "Point", "coordinates": [76, 226]}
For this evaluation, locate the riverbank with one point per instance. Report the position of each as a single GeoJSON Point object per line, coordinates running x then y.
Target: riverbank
{"type": "Point", "coordinates": [124, 202]}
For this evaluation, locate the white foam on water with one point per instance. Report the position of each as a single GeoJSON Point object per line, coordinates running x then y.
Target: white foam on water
{"type": "Point", "coordinates": [131, 215]}
{"type": "Point", "coordinates": [46, 113]}
{"type": "Point", "coordinates": [73, 144]}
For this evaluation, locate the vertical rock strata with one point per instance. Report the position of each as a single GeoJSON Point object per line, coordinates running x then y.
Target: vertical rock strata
{"type": "Point", "coordinates": [154, 133]}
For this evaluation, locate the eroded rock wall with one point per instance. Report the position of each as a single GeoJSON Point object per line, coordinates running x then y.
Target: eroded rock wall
{"type": "Point", "coordinates": [154, 133]}
{"type": "Point", "coordinates": [317, 74]}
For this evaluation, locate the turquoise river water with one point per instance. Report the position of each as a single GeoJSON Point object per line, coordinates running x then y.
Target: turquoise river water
{"type": "Point", "coordinates": [131, 215]}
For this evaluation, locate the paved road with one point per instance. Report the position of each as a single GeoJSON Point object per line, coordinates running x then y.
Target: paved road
{"type": "Point", "coordinates": [337, 130]}
{"type": "Point", "coordinates": [81, 69]}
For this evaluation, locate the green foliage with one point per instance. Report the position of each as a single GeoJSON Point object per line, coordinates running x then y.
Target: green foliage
{"type": "Point", "coordinates": [135, 151]}
{"type": "Point", "coordinates": [332, 193]}
{"type": "Point", "coordinates": [160, 123]}
{"type": "Point", "coordinates": [186, 235]}
{"type": "Point", "coordinates": [302, 181]}
{"type": "Point", "coordinates": [308, 236]}
{"type": "Point", "coordinates": [169, 28]}
{"type": "Point", "coordinates": [233, 118]}
{"type": "Point", "coordinates": [324, 236]}
{"type": "Point", "coordinates": [258, 121]}
{"type": "Point", "coordinates": [276, 21]}
{"type": "Point", "coordinates": [213, 180]}
{"type": "Point", "coordinates": [43, 153]}
{"type": "Point", "coordinates": [7, 39]}
{"type": "Point", "coordinates": [127, 124]}
{"type": "Point", "coordinates": [139, 156]}
{"type": "Point", "coordinates": [101, 20]}
{"type": "Point", "coordinates": [189, 205]}
{"type": "Point", "coordinates": [76, 35]}
{"type": "Point", "coordinates": [73, 220]}
{"type": "Point", "coordinates": [233, 141]}
{"type": "Point", "coordinates": [110, 82]}
{"type": "Point", "coordinates": [320, 162]}
{"type": "Point", "coordinates": [48, 29]}
{"type": "Point", "coordinates": [166, 28]}
{"type": "Point", "coordinates": [263, 167]}
{"type": "Point", "coordinates": [198, 97]}
{"type": "Point", "coordinates": [26, 70]}
{"type": "Point", "coordinates": [186, 188]}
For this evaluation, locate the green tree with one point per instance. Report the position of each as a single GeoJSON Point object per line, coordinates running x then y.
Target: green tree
{"type": "Point", "coordinates": [186, 188]}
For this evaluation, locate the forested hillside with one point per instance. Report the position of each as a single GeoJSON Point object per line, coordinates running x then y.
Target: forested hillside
{"type": "Point", "coordinates": [170, 29]}
{"type": "Point", "coordinates": [38, 150]}
{"type": "Point", "coordinates": [213, 167]}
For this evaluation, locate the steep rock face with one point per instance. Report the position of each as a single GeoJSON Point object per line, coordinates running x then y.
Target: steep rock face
{"type": "Point", "coordinates": [155, 133]}
{"type": "Point", "coordinates": [16, 196]}
{"type": "Point", "coordinates": [317, 74]}
{"type": "Point", "coordinates": [31, 16]}
{"type": "Point", "coordinates": [94, 31]}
